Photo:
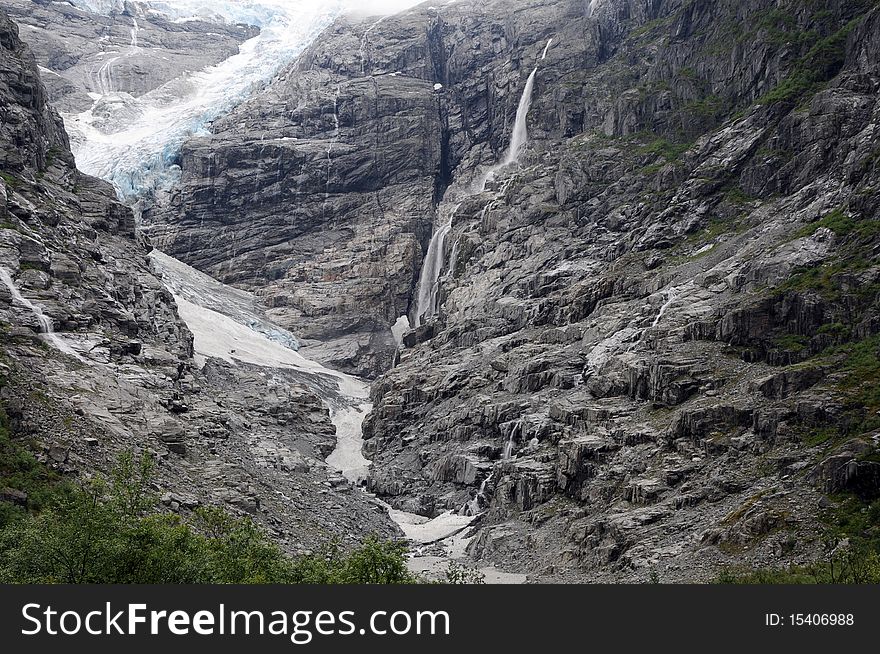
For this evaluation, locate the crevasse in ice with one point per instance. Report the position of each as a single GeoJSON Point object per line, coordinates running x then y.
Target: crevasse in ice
{"type": "Point", "coordinates": [135, 142]}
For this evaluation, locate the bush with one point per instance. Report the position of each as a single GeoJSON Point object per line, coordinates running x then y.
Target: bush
{"type": "Point", "coordinates": [107, 532]}
{"type": "Point", "coordinates": [460, 575]}
{"type": "Point", "coordinates": [821, 63]}
{"type": "Point", "coordinates": [375, 562]}
{"type": "Point", "coordinates": [851, 543]}
{"type": "Point", "coordinates": [20, 471]}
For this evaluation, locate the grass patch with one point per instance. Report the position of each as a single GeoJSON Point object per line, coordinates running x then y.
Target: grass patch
{"type": "Point", "coordinates": [20, 471]}
{"type": "Point", "coordinates": [792, 342]}
{"type": "Point", "coordinates": [843, 225]}
{"type": "Point", "coordinates": [836, 330]}
{"type": "Point", "coordinates": [716, 227]}
{"type": "Point", "coordinates": [819, 279]}
{"type": "Point", "coordinates": [708, 107]}
{"type": "Point", "coordinates": [662, 147]}
{"type": "Point", "coordinates": [862, 367]}
{"type": "Point", "coordinates": [820, 64]}
{"type": "Point", "coordinates": [736, 196]}
{"type": "Point", "coordinates": [11, 181]}
{"type": "Point", "coordinates": [650, 26]}
{"type": "Point", "coordinates": [821, 436]}
{"type": "Point", "coordinates": [851, 543]}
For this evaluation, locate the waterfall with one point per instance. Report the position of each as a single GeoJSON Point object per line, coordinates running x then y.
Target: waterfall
{"type": "Point", "coordinates": [456, 248]}
{"type": "Point", "coordinates": [672, 296]}
{"type": "Point", "coordinates": [47, 330]}
{"type": "Point", "coordinates": [509, 447]}
{"type": "Point", "coordinates": [520, 135]}
{"type": "Point", "coordinates": [429, 278]}
{"type": "Point", "coordinates": [364, 43]}
{"type": "Point", "coordinates": [475, 506]}
{"type": "Point", "coordinates": [103, 85]}
{"type": "Point", "coordinates": [428, 300]}
{"type": "Point", "coordinates": [334, 139]}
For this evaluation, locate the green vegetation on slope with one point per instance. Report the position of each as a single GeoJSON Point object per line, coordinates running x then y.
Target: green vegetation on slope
{"type": "Point", "coordinates": [108, 531]}
{"type": "Point", "coordinates": [820, 64]}
{"type": "Point", "coordinates": [851, 539]}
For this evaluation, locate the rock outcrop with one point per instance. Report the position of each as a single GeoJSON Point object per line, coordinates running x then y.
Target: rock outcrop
{"type": "Point", "coordinates": [643, 324]}
{"type": "Point", "coordinates": [130, 52]}
{"type": "Point", "coordinates": [94, 359]}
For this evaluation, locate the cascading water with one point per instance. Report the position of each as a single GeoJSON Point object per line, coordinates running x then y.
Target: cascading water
{"type": "Point", "coordinates": [47, 329]}
{"type": "Point", "coordinates": [672, 296]}
{"type": "Point", "coordinates": [475, 506]}
{"type": "Point", "coordinates": [509, 447]}
{"type": "Point", "coordinates": [364, 42]}
{"type": "Point", "coordinates": [102, 80]}
{"type": "Point", "coordinates": [333, 140]}
{"type": "Point", "coordinates": [520, 135]}
{"type": "Point", "coordinates": [136, 156]}
{"type": "Point", "coordinates": [427, 301]}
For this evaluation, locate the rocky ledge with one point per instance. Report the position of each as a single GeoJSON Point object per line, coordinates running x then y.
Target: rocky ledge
{"type": "Point", "coordinates": [94, 359]}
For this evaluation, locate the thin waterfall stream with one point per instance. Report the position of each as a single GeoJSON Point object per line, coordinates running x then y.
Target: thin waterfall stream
{"type": "Point", "coordinates": [428, 290]}
{"type": "Point", "coordinates": [47, 328]}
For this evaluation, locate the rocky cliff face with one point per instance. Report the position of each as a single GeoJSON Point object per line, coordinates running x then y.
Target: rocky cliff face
{"type": "Point", "coordinates": [321, 192]}
{"type": "Point", "coordinates": [655, 331]}
{"type": "Point", "coordinates": [116, 370]}
{"type": "Point", "coordinates": [81, 52]}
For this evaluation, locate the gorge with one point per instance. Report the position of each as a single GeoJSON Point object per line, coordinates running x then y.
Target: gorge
{"type": "Point", "coordinates": [562, 290]}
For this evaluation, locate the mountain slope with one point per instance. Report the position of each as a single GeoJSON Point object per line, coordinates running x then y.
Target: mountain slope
{"type": "Point", "coordinates": [95, 360]}
{"type": "Point", "coordinates": [656, 333]}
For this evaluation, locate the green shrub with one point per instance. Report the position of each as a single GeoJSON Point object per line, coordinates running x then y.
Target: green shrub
{"type": "Point", "coordinates": [11, 181]}
{"type": "Point", "coordinates": [108, 532]}
{"type": "Point", "coordinates": [821, 63]}
{"type": "Point", "coordinates": [842, 225]}
{"type": "Point", "coordinates": [662, 147]}
{"type": "Point", "coordinates": [20, 471]}
{"type": "Point", "coordinates": [851, 543]}
{"type": "Point", "coordinates": [460, 575]}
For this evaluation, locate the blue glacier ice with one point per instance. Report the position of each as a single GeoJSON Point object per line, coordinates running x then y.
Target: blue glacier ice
{"type": "Point", "coordinates": [135, 142]}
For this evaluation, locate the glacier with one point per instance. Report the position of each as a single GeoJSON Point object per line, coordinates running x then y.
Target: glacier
{"type": "Point", "coordinates": [135, 142]}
